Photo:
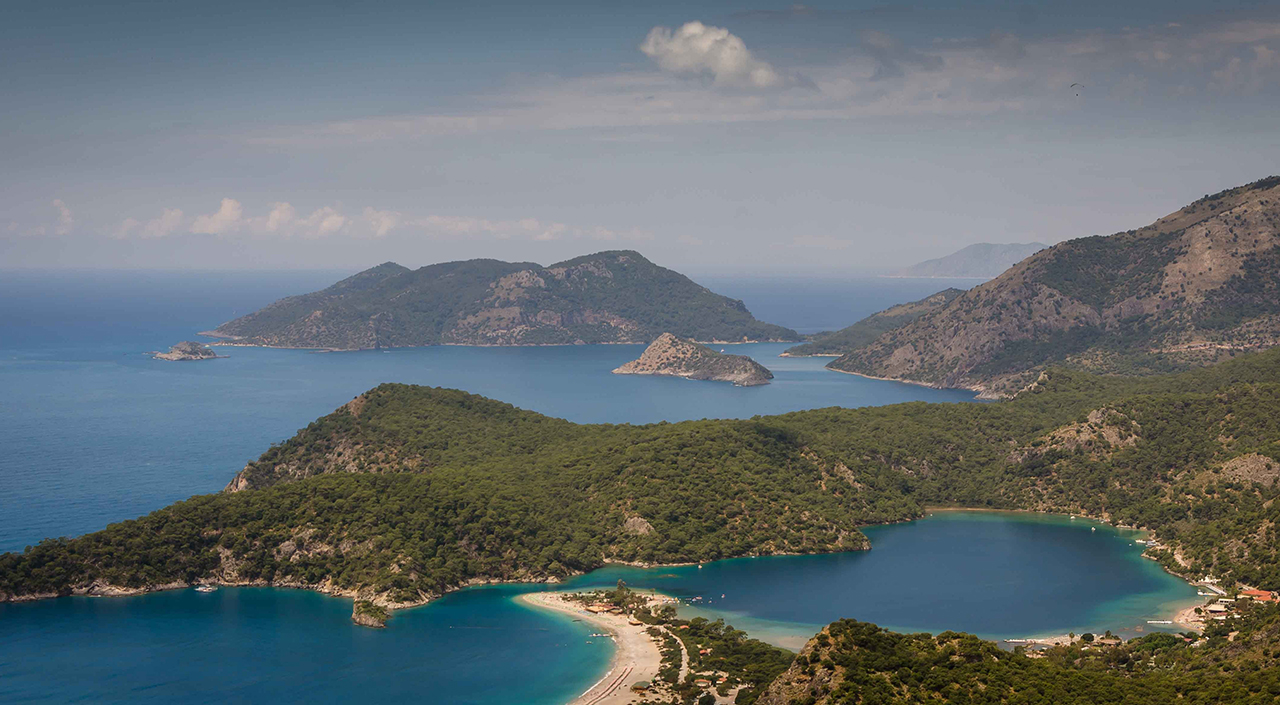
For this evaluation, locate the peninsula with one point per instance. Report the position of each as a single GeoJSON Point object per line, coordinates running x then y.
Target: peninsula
{"type": "Point", "coordinates": [677, 357]}
{"type": "Point", "coordinates": [187, 350]}
{"type": "Point", "coordinates": [864, 332]}
{"type": "Point", "coordinates": [608, 297]}
{"type": "Point", "coordinates": [408, 492]}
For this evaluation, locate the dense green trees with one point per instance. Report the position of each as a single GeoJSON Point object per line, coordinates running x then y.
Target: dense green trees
{"type": "Point", "coordinates": [854, 662]}
{"type": "Point", "coordinates": [411, 491]}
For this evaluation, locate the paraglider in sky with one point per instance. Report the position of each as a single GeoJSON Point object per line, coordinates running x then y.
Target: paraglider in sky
{"type": "Point", "coordinates": [1077, 87]}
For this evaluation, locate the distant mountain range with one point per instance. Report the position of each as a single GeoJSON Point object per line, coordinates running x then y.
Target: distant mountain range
{"type": "Point", "coordinates": [981, 261]}
{"type": "Point", "coordinates": [608, 297]}
{"type": "Point", "coordinates": [1196, 286]}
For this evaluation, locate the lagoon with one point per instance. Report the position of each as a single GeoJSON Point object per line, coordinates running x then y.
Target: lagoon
{"type": "Point", "coordinates": [997, 574]}
{"type": "Point", "coordinates": [94, 431]}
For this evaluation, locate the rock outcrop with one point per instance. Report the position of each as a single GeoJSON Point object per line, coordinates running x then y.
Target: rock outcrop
{"type": "Point", "coordinates": [677, 357]}
{"type": "Point", "coordinates": [368, 614]}
{"type": "Point", "coordinates": [187, 350]}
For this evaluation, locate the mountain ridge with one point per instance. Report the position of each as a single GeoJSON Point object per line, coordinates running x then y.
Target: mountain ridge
{"type": "Point", "coordinates": [615, 296]}
{"type": "Point", "coordinates": [981, 260]}
{"type": "Point", "coordinates": [1195, 287]}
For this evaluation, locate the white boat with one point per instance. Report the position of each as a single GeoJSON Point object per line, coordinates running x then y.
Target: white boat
{"type": "Point", "coordinates": [205, 588]}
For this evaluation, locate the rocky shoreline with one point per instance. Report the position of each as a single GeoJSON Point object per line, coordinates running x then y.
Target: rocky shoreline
{"type": "Point", "coordinates": [677, 357]}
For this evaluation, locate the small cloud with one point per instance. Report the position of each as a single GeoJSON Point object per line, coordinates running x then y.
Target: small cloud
{"type": "Point", "coordinates": [226, 220]}
{"type": "Point", "coordinates": [381, 222]}
{"type": "Point", "coordinates": [698, 49]}
{"type": "Point", "coordinates": [281, 216]}
{"type": "Point", "coordinates": [125, 228]}
{"type": "Point", "coordinates": [168, 223]}
{"type": "Point", "coordinates": [322, 222]}
{"type": "Point", "coordinates": [65, 221]}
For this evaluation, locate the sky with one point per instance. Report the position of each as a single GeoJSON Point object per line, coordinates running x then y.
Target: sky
{"type": "Point", "coordinates": [713, 136]}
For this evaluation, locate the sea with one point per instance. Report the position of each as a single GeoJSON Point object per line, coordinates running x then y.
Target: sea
{"type": "Point", "coordinates": [94, 431]}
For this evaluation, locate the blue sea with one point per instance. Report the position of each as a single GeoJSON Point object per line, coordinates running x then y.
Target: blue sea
{"type": "Point", "coordinates": [93, 431]}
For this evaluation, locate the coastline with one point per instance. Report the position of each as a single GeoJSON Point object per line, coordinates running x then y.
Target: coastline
{"type": "Point", "coordinates": [231, 342]}
{"type": "Point", "coordinates": [1181, 613]}
{"type": "Point", "coordinates": [635, 658]}
{"type": "Point", "coordinates": [982, 393]}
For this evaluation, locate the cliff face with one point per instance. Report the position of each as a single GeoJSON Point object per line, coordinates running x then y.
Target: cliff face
{"type": "Point", "coordinates": [1192, 288]}
{"type": "Point", "coordinates": [187, 350]}
{"type": "Point", "coordinates": [609, 297]}
{"type": "Point", "coordinates": [669, 355]}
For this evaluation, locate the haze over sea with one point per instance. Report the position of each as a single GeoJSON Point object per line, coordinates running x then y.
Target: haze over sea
{"type": "Point", "coordinates": [94, 431]}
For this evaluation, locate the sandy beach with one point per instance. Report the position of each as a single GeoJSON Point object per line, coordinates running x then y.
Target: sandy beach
{"type": "Point", "coordinates": [636, 657]}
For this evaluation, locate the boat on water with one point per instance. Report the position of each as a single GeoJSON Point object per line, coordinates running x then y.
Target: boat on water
{"type": "Point", "coordinates": [205, 588]}
{"type": "Point", "coordinates": [1159, 621]}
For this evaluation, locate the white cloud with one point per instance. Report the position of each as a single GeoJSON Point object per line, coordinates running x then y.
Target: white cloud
{"type": "Point", "coordinates": [280, 217]}
{"type": "Point", "coordinates": [65, 221]}
{"type": "Point", "coordinates": [381, 222]}
{"type": "Point", "coordinates": [962, 77]}
{"type": "Point", "coordinates": [226, 220]}
{"type": "Point", "coordinates": [322, 222]}
{"type": "Point", "coordinates": [697, 49]}
{"type": "Point", "coordinates": [281, 221]}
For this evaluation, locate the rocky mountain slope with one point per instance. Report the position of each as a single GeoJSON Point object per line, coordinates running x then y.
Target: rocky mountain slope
{"type": "Point", "coordinates": [868, 329]}
{"type": "Point", "coordinates": [608, 297]}
{"type": "Point", "coordinates": [677, 357]}
{"type": "Point", "coordinates": [982, 260]}
{"type": "Point", "coordinates": [1194, 287]}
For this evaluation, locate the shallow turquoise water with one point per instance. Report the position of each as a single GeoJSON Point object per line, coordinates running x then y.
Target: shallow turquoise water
{"type": "Point", "coordinates": [93, 431]}
{"type": "Point", "coordinates": [996, 574]}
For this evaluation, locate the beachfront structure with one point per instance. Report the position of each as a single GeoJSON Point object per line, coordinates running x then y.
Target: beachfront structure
{"type": "Point", "coordinates": [1259, 595]}
{"type": "Point", "coordinates": [640, 687]}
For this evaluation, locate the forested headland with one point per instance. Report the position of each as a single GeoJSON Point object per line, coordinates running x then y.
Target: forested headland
{"type": "Point", "coordinates": [407, 492]}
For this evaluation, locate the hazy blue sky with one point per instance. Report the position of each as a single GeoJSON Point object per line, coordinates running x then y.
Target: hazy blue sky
{"type": "Point", "coordinates": [732, 136]}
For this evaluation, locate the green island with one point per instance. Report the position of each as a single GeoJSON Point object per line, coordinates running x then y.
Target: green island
{"type": "Point", "coordinates": [616, 296]}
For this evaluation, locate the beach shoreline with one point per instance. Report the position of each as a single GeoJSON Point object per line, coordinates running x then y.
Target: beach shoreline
{"type": "Point", "coordinates": [635, 658]}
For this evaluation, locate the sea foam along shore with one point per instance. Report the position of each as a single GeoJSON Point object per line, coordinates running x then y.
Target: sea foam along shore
{"type": "Point", "coordinates": [635, 658]}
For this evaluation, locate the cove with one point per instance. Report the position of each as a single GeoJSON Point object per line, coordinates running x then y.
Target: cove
{"type": "Point", "coordinates": [996, 574]}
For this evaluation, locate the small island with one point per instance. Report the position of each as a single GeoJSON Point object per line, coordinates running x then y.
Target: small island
{"type": "Point", "coordinates": [366, 613]}
{"type": "Point", "coordinates": [187, 350]}
{"type": "Point", "coordinates": [671, 355]}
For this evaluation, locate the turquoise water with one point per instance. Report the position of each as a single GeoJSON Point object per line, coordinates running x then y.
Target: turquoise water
{"type": "Point", "coordinates": [996, 574]}
{"type": "Point", "coordinates": [1000, 575]}
{"type": "Point", "coordinates": [93, 431]}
